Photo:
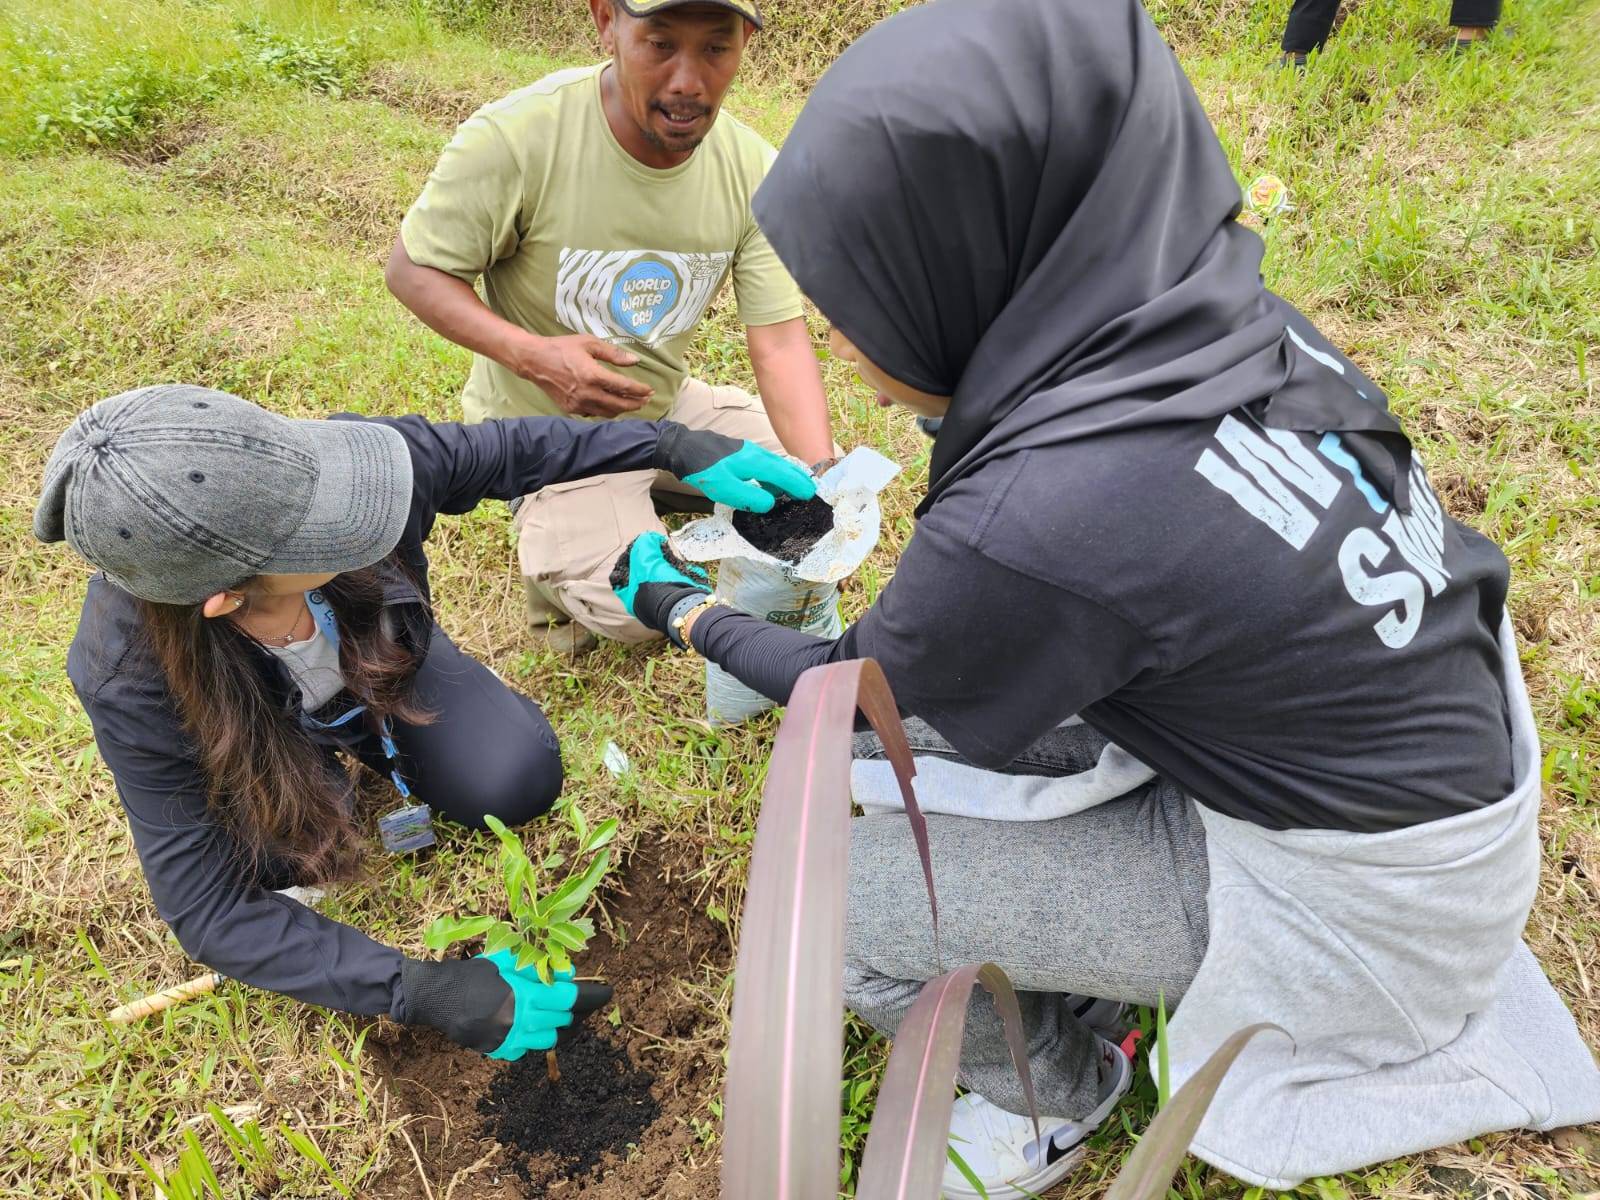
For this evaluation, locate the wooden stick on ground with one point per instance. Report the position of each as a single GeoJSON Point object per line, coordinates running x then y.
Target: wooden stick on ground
{"type": "Point", "coordinates": [158, 1001]}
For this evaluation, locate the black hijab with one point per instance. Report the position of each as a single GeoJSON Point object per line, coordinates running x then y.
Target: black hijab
{"type": "Point", "coordinates": [1021, 204]}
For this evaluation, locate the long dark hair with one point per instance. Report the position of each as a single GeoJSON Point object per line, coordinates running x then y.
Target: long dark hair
{"type": "Point", "coordinates": [267, 779]}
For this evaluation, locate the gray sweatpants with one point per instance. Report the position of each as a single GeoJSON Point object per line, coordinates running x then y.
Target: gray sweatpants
{"type": "Point", "coordinates": [1110, 902]}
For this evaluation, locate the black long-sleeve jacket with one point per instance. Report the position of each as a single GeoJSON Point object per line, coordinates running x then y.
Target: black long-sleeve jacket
{"type": "Point", "coordinates": [222, 916]}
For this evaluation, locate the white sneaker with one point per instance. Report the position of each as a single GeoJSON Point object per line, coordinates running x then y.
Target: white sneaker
{"type": "Point", "coordinates": [1002, 1152]}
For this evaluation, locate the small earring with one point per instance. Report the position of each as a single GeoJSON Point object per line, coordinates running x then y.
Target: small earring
{"type": "Point", "coordinates": [238, 602]}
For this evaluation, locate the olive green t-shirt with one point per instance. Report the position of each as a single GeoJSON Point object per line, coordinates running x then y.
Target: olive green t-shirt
{"type": "Point", "coordinates": [572, 234]}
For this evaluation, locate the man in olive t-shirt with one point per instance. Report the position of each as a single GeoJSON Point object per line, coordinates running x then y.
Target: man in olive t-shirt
{"type": "Point", "coordinates": [604, 207]}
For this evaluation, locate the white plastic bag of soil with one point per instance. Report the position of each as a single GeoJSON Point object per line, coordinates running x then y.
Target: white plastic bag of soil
{"type": "Point", "coordinates": [802, 595]}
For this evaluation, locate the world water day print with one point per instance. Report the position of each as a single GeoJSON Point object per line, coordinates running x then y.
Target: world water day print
{"type": "Point", "coordinates": [643, 296]}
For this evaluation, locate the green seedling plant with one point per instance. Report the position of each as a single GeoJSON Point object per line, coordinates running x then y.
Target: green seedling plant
{"type": "Point", "coordinates": [543, 929]}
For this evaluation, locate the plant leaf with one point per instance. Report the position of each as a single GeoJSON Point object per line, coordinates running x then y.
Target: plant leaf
{"type": "Point", "coordinates": [442, 931]}
{"type": "Point", "coordinates": [967, 1172]}
{"type": "Point", "coordinates": [602, 835]}
{"type": "Point", "coordinates": [501, 936]}
{"type": "Point", "coordinates": [569, 897]}
{"type": "Point", "coordinates": [308, 1149]}
{"type": "Point", "coordinates": [909, 1142]}
{"type": "Point", "coordinates": [1163, 1070]}
{"type": "Point", "coordinates": [878, 706]}
{"type": "Point", "coordinates": [781, 1135]}
{"type": "Point", "coordinates": [508, 840]}
{"type": "Point", "coordinates": [204, 1172]}
{"type": "Point", "coordinates": [567, 935]}
{"type": "Point", "coordinates": [580, 824]}
{"type": "Point", "coordinates": [232, 1137]}
{"type": "Point", "coordinates": [516, 871]}
{"type": "Point", "coordinates": [154, 1176]}
{"type": "Point", "coordinates": [1148, 1170]}
{"type": "Point", "coordinates": [527, 954]}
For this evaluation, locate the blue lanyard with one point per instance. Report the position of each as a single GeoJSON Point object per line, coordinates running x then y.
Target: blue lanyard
{"type": "Point", "coordinates": [322, 614]}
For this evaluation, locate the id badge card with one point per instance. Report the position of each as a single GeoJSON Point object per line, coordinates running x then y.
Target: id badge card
{"type": "Point", "coordinates": [406, 829]}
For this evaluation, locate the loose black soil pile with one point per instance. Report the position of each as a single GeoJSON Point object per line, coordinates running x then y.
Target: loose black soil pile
{"type": "Point", "coordinates": [658, 933]}
{"type": "Point", "coordinates": [602, 1103]}
{"type": "Point", "coordinates": [620, 572]}
{"type": "Point", "coordinates": [790, 530]}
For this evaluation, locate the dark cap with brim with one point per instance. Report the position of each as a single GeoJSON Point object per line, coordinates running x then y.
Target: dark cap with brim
{"type": "Point", "coordinates": [649, 8]}
{"type": "Point", "coordinates": [178, 492]}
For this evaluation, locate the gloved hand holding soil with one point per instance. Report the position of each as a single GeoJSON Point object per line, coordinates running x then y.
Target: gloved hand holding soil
{"type": "Point", "coordinates": [650, 580]}
{"type": "Point", "coordinates": [816, 540]}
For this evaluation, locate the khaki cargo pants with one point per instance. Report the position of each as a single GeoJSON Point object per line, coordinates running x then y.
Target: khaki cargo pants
{"type": "Point", "coordinates": [570, 535]}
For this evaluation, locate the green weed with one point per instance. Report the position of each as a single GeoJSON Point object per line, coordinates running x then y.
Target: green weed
{"type": "Point", "coordinates": [126, 101]}
{"type": "Point", "coordinates": [322, 64]}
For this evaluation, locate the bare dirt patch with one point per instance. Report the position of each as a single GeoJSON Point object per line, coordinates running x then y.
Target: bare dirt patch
{"type": "Point", "coordinates": [659, 1062]}
{"type": "Point", "coordinates": [400, 86]}
{"type": "Point", "coordinates": [163, 143]}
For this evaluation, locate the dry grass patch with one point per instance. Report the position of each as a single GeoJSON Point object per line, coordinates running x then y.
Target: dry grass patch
{"type": "Point", "coordinates": [347, 167]}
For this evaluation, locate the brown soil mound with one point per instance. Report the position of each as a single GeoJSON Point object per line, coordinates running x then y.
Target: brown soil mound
{"type": "Point", "coordinates": [660, 1063]}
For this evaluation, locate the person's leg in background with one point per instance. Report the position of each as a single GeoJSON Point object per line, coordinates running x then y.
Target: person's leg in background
{"type": "Point", "coordinates": [1307, 28]}
{"type": "Point", "coordinates": [1110, 902]}
{"type": "Point", "coordinates": [569, 535]}
{"type": "Point", "coordinates": [488, 750]}
{"type": "Point", "coordinates": [1473, 19]}
{"type": "Point", "coordinates": [568, 539]}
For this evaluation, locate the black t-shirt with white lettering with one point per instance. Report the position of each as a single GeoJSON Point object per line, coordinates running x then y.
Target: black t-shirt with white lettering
{"type": "Point", "coordinates": [1237, 606]}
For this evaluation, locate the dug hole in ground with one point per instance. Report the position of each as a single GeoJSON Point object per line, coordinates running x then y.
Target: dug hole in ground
{"type": "Point", "coordinates": [620, 1123]}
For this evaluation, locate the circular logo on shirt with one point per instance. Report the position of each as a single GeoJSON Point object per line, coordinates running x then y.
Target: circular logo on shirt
{"type": "Point", "coordinates": [642, 296]}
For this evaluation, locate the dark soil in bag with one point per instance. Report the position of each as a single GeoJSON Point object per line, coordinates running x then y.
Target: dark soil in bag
{"type": "Point", "coordinates": [790, 530]}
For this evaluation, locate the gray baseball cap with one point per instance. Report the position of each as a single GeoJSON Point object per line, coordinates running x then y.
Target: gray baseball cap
{"type": "Point", "coordinates": [177, 492]}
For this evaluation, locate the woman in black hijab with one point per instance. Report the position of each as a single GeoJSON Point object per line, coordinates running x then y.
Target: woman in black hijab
{"type": "Point", "coordinates": [1180, 575]}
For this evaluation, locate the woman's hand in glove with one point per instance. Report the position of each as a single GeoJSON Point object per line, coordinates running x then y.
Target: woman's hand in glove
{"type": "Point", "coordinates": [738, 474]}
{"type": "Point", "coordinates": [650, 584]}
{"type": "Point", "coordinates": [486, 1004]}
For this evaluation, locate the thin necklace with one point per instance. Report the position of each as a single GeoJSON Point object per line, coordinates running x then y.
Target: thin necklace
{"type": "Point", "coordinates": [280, 639]}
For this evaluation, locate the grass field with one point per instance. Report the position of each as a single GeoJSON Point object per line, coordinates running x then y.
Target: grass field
{"type": "Point", "coordinates": [205, 190]}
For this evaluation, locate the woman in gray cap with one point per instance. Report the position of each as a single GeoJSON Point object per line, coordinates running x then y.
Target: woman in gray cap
{"type": "Point", "coordinates": [262, 605]}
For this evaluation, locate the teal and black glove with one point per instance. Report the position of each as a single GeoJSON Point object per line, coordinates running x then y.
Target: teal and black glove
{"type": "Point", "coordinates": [738, 474]}
{"type": "Point", "coordinates": [486, 1004]}
{"type": "Point", "coordinates": [652, 583]}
